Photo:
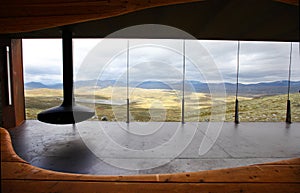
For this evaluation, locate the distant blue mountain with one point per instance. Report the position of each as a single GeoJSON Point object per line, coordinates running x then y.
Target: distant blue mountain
{"type": "Point", "coordinates": [35, 85]}
{"type": "Point", "coordinates": [154, 85]}
{"type": "Point", "coordinates": [99, 83]}
{"type": "Point", "coordinates": [264, 88]}
{"type": "Point", "coordinates": [107, 83]}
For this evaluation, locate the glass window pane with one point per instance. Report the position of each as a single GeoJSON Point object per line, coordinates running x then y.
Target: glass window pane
{"type": "Point", "coordinates": [263, 77]}
{"type": "Point", "coordinates": [42, 62]}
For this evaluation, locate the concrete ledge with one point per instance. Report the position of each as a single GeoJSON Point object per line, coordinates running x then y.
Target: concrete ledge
{"type": "Point", "coordinates": [19, 176]}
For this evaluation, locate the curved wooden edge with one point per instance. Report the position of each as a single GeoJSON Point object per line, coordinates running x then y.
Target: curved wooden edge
{"type": "Point", "coordinates": [285, 172]}
{"type": "Point", "coordinates": [7, 152]}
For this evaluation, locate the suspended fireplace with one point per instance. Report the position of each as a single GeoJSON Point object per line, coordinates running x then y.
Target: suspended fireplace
{"type": "Point", "coordinates": [68, 112]}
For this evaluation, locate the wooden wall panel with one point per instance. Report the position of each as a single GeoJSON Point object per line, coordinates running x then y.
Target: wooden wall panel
{"type": "Point", "coordinates": [7, 118]}
{"type": "Point", "coordinates": [12, 115]}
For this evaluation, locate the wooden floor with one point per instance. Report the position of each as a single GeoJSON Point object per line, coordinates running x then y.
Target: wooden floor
{"type": "Point", "coordinates": [19, 176]}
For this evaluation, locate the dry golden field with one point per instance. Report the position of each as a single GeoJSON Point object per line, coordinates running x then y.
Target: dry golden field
{"type": "Point", "coordinates": [165, 105]}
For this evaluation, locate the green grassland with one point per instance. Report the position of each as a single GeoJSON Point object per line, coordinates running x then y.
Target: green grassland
{"type": "Point", "coordinates": [165, 105]}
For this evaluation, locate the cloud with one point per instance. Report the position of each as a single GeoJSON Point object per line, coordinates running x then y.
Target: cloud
{"type": "Point", "coordinates": [42, 60]}
{"type": "Point", "coordinates": [161, 60]}
{"type": "Point", "coordinates": [259, 61]}
{"type": "Point", "coordinates": [81, 48]}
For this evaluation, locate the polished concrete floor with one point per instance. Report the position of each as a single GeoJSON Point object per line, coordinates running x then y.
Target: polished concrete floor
{"type": "Point", "coordinates": [111, 148]}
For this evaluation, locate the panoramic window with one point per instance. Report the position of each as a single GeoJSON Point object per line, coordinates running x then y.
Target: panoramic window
{"type": "Point", "coordinates": [166, 80]}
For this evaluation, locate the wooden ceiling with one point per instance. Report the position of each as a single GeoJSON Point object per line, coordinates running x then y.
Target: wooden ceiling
{"type": "Point", "coordinates": [275, 20]}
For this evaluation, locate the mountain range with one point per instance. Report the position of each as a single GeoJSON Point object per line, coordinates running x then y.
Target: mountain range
{"type": "Point", "coordinates": [264, 88]}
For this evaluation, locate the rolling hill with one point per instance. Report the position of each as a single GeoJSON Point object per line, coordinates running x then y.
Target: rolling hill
{"type": "Point", "coordinates": [264, 88]}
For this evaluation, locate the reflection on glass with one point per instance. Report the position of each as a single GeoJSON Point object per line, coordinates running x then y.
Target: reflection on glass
{"type": "Point", "coordinates": [153, 72]}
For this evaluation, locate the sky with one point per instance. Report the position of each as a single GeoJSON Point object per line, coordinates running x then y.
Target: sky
{"type": "Point", "coordinates": [161, 60]}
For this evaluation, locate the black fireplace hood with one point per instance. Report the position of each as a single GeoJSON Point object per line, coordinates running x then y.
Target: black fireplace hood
{"type": "Point", "coordinates": [68, 112]}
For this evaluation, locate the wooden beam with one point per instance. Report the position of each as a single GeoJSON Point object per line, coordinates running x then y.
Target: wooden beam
{"type": "Point", "coordinates": [18, 16]}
